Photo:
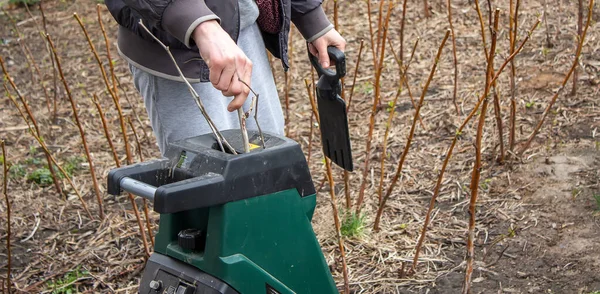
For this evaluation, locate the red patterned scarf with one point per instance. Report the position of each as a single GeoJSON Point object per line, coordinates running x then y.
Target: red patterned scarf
{"type": "Point", "coordinates": [269, 18]}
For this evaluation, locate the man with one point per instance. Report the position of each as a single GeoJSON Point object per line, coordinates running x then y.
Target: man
{"type": "Point", "coordinates": [216, 43]}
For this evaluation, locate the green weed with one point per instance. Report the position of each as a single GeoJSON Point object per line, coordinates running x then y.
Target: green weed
{"type": "Point", "coordinates": [352, 225]}
{"type": "Point", "coordinates": [24, 2]}
{"type": "Point", "coordinates": [17, 171]}
{"type": "Point", "coordinates": [41, 176]}
{"type": "Point", "coordinates": [597, 197]}
{"type": "Point", "coordinates": [73, 164]}
{"type": "Point", "coordinates": [65, 285]}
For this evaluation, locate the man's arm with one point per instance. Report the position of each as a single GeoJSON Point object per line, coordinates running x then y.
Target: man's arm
{"type": "Point", "coordinates": [311, 21]}
{"type": "Point", "coordinates": [178, 18]}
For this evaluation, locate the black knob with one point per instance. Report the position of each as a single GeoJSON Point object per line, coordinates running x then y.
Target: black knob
{"type": "Point", "coordinates": [191, 239]}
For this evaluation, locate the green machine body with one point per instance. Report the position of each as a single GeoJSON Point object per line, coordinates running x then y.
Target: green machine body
{"type": "Point", "coordinates": [230, 223]}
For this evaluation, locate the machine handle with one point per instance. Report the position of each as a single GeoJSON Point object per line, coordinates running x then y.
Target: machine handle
{"type": "Point", "coordinates": [338, 58]}
{"type": "Point", "coordinates": [138, 188]}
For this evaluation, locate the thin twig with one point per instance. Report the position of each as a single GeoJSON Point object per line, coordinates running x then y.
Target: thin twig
{"type": "Point", "coordinates": [108, 55]}
{"type": "Point", "coordinates": [411, 134]}
{"type": "Point", "coordinates": [438, 185]}
{"type": "Point", "coordinates": [109, 88]}
{"type": "Point", "coordinates": [404, 80]}
{"type": "Point", "coordinates": [105, 128]}
{"type": "Point", "coordinates": [43, 145]}
{"type": "Point", "coordinates": [513, 102]}
{"type": "Point", "coordinates": [29, 57]}
{"type": "Point", "coordinates": [195, 95]}
{"type": "Point", "coordinates": [454, 55]}
{"type": "Point", "coordinates": [388, 125]}
{"type": "Point", "coordinates": [80, 128]}
{"type": "Point", "coordinates": [376, 99]}
{"type": "Point", "coordinates": [33, 121]}
{"type": "Point", "coordinates": [355, 75]}
{"type": "Point", "coordinates": [567, 77]}
{"type": "Point", "coordinates": [8, 232]}
{"type": "Point", "coordinates": [579, 32]}
{"type": "Point", "coordinates": [476, 175]}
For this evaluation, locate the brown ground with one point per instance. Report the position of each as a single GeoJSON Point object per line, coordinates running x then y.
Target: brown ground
{"type": "Point", "coordinates": [538, 226]}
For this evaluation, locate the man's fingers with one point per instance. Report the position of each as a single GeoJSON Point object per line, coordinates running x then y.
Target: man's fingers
{"type": "Point", "coordinates": [245, 74]}
{"type": "Point", "coordinates": [227, 75]}
{"type": "Point", "coordinates": [323, 55]}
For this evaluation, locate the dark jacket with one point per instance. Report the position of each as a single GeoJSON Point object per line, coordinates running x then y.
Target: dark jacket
{"type": "Point", "coordinates": [173, 22]}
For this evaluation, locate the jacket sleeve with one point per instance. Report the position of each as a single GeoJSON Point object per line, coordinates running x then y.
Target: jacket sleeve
{"type": "Point", "coordinates": [310, 19]}
{"type": "Point", "coordinates": [179, 18]}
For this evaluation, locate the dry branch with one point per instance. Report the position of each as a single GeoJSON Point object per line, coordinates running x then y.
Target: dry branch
{"type": "Point", "coordinates": [388, 125]}
{"type": "Point", "coordinates": [411, 133]}
{"type": "Point", "coordinates": [438, 185]}
{"type": "Point", "coordinates": [376, 98]}
{"type": "Point", "coordinates": [108, 55]}
{"type": "Point", "coordinates": [513, 25]}
{"type": "Point", "coordinates": [355, 75]}
{"type": "Point", "coordinates": [476, 175]}
{"type": "Point", "coordinates": [53, 161]}
{"type": "Point", "coordinates": [454, 56]}
{"type": "Point", "coordinates": [109, 89]}
{"type": "Point", "coordinates": [220, 139]}
{"type": "Point", "coordinates": [79, 127]}
{"type": "Point", "coordinates": [8, 232]}
{"type": "Point", "coordinates": [567, 77]}
{"type": "Point", "coordinates": [579, 32]}
{"type": "Point", "coordinates": [106, 132]}
{"type": "Point", "coordinates": [33, 121]}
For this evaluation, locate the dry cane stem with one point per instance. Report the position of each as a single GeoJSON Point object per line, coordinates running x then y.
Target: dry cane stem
{"type": "Point", "coordinates": [379, 19]}
{"type": "Point", "coordinates": [410, 136]}
{"type": "Point", "coordinates": [8, 233]}
{"type": "Point", "coordinates": [108, 87]}
{"type": "Point", "coordinates": [43, 145]}
{"type": "Point", "coordinates": [361, 193]}
{"type": "Point", "coordinates": [28, 56]}
{"type": "Point", "coordinates": [54, 77]}
{"type": "Point", "coordinates": [106, 132]}
{"type": "Point", "coordinates": [108, 55]}
{"type": "Point", "coordinates": [32, 118]}
{"type": "Point", "coordinates": [427, 15]}
{"type": "Point", "coordinates": [355, 75]}
{"type": "Point", "coordinates": [513, 101]}
{"type": "Point", "coordinates": [551, 104]}
{"type": "Point", "coordinates": [579, 28]}
{"type": "Point", "coordinates": [402, 22]}
{"type": "Point", "coordinates": [81, 131]}
{"type": "Point", "coordinates": [477, 166]}
{"type": "Point", "coordinates": [438, 185]}
{"type": "Point", "coordinates": [404, 81]}
{"type": "Point", "coordinates": [389, 123]}
{"type": "Point", "coordinates": [455, 58]}
{"type": "Point", "coordinates": [146, 214]}
{"type": "Point", "coordinates": [371, 35]}
{"type": "Point", "coordinates": [478, 9]}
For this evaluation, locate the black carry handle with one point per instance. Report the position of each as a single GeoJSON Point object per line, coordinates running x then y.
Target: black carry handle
{"type": "Point", "coordinates": [337, 57]}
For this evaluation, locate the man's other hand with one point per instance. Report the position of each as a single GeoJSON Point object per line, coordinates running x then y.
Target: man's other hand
{"type": "Point", "coordinates": [319, 46]}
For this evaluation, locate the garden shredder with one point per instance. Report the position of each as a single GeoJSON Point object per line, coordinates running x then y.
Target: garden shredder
{"type": "Point", "coordinates": [230, 223]}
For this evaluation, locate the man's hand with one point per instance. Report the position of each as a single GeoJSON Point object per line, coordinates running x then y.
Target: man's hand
{"type": "Point", "coordinates": [226, 61]}
{"type": "Point", "coordinates": [319, 46]}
